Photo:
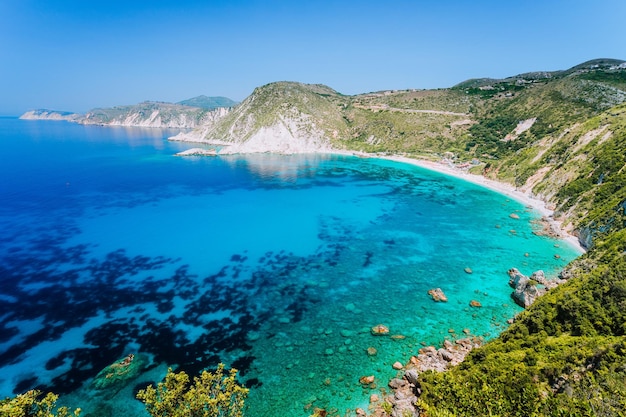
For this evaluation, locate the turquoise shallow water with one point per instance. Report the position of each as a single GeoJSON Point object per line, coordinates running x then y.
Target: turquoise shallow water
{"type": "Point", "coordinates": [277, 265]}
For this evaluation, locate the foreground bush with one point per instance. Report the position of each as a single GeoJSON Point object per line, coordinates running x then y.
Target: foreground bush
{"type": "Point", "coordinates": [210, 395]}
{"type": "Point", "coordinates": [28, 405]}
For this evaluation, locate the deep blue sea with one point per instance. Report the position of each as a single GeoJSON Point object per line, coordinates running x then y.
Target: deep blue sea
{"type": "Point", "coordinates": [275, 265]}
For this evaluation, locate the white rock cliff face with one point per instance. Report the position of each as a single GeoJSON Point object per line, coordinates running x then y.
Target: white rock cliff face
{"type": "Point", "coordinates": [160, 115]}
{"type": "Point", "coordinates": [256, 126]}
{"type": "Point", "coordinates": [285, 137]}
{"type": "Point", "coordinates": [190, 119]}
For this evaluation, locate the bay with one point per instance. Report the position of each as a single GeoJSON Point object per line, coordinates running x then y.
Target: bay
{"type": "Point", "coordinates": [276, 265]}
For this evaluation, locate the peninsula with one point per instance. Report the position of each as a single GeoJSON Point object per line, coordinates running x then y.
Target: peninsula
{"type": "Point", "coordinates": [186, 114]}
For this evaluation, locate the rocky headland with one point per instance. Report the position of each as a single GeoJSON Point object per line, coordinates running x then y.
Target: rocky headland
{"type": "Point", "coordinates": [43, 114]}
{"type": "Point", "coordinates": [188, 114]}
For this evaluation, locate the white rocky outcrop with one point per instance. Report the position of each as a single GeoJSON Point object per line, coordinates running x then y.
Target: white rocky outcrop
{"type": "Point", "coordinates": [521, 127]}
{"type": "Point", "coordinates": [286, 137]}
{"type": "Point", "coordinates": [282, 118]}
{"type": "Point", "coordinates": [528, 289]}
{"type": "Point", "coordinates": [197, 152]}
{"type": "Point", "coordinates": [167, 117]}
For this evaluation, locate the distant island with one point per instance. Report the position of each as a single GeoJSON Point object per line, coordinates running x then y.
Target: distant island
{"type": "Point", "coordinates": [186, 114]}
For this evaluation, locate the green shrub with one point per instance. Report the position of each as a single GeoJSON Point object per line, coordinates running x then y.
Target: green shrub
{"type": "Point", "coordinates": [210, 395]}
{"type": "Point", "coordinates": [29, 405]}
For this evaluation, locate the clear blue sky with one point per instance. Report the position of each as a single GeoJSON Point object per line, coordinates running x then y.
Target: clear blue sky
{"type": "Point", "coordinates": [79, 54]}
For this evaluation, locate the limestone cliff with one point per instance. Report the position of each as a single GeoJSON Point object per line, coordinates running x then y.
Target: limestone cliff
{"type": "Point", "coordinates": [154, 114]}
{"type": "Point", "coordinates": [281, 117]}
{"type": "Point", "coordinates": [195, 112]}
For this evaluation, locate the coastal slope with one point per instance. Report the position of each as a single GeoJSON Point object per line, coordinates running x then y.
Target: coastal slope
{"type": "Point", "coordinates": [154, 114]}
{"type": "Point", "coordinates": [44, 114]}
{"type": "Point", "coordinates": [282, 117]}
{"type": "Point", "coordinates": [187, 114]}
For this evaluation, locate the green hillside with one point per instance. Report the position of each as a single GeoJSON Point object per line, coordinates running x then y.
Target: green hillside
{"type": "Point", "coordinates": [566, 355]}
{"type": "Point", "coordinates": [150, 113]}
{"type": "Point", "coordinates": [315, 108]}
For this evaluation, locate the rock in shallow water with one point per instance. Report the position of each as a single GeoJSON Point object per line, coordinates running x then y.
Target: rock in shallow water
{"type": "Point", "coordinates": [120, 373]}
{"type": "Point", "coordinates": [380, 330]}
{"type": "Point", "coordinates": [437, 295]}
{"type": "Point", "coordinates": [366, 380]}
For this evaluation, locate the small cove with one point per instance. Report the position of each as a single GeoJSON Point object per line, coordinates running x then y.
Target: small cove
{"type": "Point", "coordinates": [276, 265]}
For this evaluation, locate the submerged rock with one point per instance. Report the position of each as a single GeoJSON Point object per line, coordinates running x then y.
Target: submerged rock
{"type": "Point", "coordinates": [197, 152]}
{"type": "Point", "coordinates": [120, 373]}
{"type": "Point", "coordinates": [437, 295]}
{"type": "Point", "coordinates": [380, 330]}
{"type": "Point", "coordinates": [366, 380]}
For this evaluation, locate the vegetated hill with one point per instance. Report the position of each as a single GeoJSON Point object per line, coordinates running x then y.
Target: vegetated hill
{"type": "Point", "coordinates": [416, 122]}
{"type": "Point", "coordinates": [565, 355]}
{"type": "Point", "coordinates": [153, 114]}
{"type": "Point", "coordinates": [295, 117]}
{"type": "Point", "coordinates": [555, 103]}
{"type": "Point", "coordinates": [280, 117]}
{"type": "Point", "coordinates": [209, 103]}
{"type": "Point", "coordinates": [569, 145]}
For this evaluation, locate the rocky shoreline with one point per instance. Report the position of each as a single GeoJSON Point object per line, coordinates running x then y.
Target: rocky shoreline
{"type": "Point", "coordinates": [405, 389]}
{"type": "Point", "coordinates": [197, 152]}
{"type": "Point", "coordinates": [402, 399]}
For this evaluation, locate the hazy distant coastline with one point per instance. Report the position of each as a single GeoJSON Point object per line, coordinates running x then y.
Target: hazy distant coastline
{"type": "Point", "coordinates": [186, 114]}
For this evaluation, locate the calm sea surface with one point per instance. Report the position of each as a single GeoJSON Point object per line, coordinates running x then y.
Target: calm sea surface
{"type": "Point", "coordinates": [275, 265]}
